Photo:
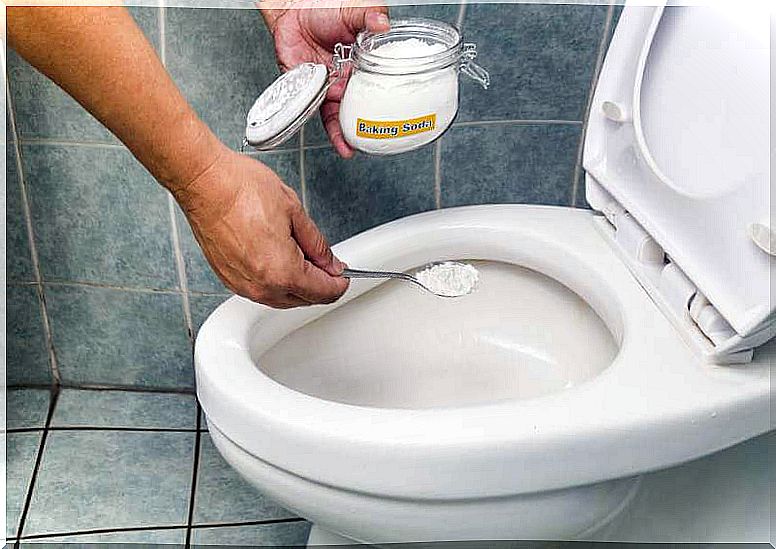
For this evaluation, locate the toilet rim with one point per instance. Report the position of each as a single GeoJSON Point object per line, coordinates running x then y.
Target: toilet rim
{"type": "Point", "coordinates": [637, 402]}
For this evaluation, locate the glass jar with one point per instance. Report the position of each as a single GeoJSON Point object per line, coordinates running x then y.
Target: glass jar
{"type": "Point", "coordinates": [402, 92]}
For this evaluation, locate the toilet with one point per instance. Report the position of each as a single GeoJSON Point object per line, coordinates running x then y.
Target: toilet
{"type": "Point", "coordinates": [601, 345]}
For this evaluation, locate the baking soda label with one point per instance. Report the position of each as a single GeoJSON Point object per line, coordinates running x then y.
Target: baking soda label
{"type": "Point", "coordinates": [391, 129]}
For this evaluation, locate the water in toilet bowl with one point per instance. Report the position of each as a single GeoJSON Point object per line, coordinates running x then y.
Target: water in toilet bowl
{"type": "Point", "coordinates": [518, 336]}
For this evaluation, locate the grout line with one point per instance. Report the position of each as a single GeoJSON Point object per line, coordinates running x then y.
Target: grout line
{"type": "Point", "coordinates": [20, 284]}
{"type": "Point", "coordinates": [102, 286]}
{"type": "Point", "coordinates": [62, 142]}
{"type": "Point", "coordinates": [175, 236]}
{"type": "Point", "coordinates": [124, 429]}
{"type": "Point", "coordinates": [180, 266]}
{"type": "Point", "coordinates": [461, 15]}
{"type": "Point", "coordinates": [515, 122]}
{"type": "Point", "coordinates": [302, 177]}
{"type": "Point", "coordinates": [20, 387]}
{"type": "Point", "coordinates": [103, 531]}
{"type": "Point", "coordinates": [160, 527]}
{"type": "Point", "coordinates": [210, 294]}
{"type": "Point", "coordinates": [249, 523]}
{"type": "Point", "coordinates": [594, 81]}
{"type": "Point", "coordinates": [162, 18]}
{"type": "Point", "coordinates": [36, 468]}
{"type": "Point", "coordinates": [194, 474]}
{"type": "Point", "coordinates": [127, 388]}
{"type": "Point", "coordinates": [55, 375]}
{"type": "Point", "coordinates": [317, 147]}
{"type": "Point", "coordinates": [438, 174]}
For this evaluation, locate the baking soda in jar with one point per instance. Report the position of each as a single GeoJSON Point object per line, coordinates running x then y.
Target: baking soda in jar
{"type": "Point", "coordinates": [402, 92]}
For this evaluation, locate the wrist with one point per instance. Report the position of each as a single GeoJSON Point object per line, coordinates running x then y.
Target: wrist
{"type": "Point", "coordinates": [189, 157]}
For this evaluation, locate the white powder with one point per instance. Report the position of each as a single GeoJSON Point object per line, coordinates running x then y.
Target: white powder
{"type": "Point", "coordinates": [449, 279]}
{"type": "Point", "coordinates": [376, 108]}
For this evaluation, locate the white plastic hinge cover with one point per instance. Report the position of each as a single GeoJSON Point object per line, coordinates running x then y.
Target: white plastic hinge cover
{"type": "Point", "coordinates": [764, 237]}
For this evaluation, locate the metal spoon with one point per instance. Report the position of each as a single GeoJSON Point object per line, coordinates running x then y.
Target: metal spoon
{"type": "Point", "coordinates": [358, 273]}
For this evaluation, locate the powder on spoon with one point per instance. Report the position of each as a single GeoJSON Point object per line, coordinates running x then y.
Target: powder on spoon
{"type": "Point", "coordinates": [449, 279]}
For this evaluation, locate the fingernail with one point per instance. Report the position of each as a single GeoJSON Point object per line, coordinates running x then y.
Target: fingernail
{"type": "Point", "coordinates": [383, 20]}
{"type": "Point", "coordinates": [339, 266]}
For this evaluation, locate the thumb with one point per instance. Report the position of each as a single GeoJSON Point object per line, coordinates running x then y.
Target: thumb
{"type": "Point", "coordinates": [373, 19]}
{"type": "Point", "coordinates": [313, 244]}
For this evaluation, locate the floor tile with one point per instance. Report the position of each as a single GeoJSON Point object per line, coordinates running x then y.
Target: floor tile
{"type": "Point", "coordinates": [76, 408]}
{"type": "Point", "coordinates": [293, 534]}
{"type": "Point", "coordinates": [21, 452]}
{"type": "Point", "coordinates": [199, 274]}
{"type": "Point", "coordinates": [18, 261]}
{"type": "Point", "coordinates": [111, 479]}
{"type": "Point", "coordinates": [531, 164]}
{"type": "Point", "coordinates": [43, 110]}
{"type": "Point", "coordinates": [224, 496]}
{"type": "Point", "coordinates": [109, 224]}
{"type": "Point", "coordinates": [117, 337]}
{"type": "Point", "coordinates": [540, 59]}
{"type": "Point", "coordinates": [165, 538]}
{"type": "Point", "coordinates": [27, 359]}
{"type": "Point", "coordinates": [346, 197]}
{"type": "Point", "coordinates": [221, 59]}
{"type": "Point", "coordinates": [202, 306]}
{"type": "Point", "coordinates": [27, 408]}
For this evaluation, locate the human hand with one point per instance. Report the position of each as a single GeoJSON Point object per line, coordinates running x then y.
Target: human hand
{"type": "Point", "coordinates": [305, 35]}
{"type": "Point", "coordinates": [257, 237]}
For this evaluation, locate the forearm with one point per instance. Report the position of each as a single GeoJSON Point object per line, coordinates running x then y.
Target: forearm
{"type": "Point", "coordinates": [100, 57]}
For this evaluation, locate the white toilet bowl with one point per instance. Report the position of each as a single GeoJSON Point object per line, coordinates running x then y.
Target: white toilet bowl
{"type": "Point", "coordinates": [343, 426]}
{"type": "Point", "coordinates": [596, 349]}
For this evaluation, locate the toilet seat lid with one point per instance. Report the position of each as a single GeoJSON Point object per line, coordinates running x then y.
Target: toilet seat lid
{"type": "Point", "coordinates": [678, 134]}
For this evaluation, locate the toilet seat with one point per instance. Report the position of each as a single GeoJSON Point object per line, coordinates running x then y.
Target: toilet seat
{"type": "Point", "coordinates": [677, 158]}
{"type": "Point", "coordinates": [652, 408]}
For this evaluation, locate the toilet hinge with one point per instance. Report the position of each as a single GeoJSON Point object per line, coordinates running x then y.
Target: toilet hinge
{"type": "Point", "coordinates": [671, 289]}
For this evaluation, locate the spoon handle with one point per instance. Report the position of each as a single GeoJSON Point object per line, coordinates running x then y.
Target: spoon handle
{"type": "Point", "coordinates": [357, 273]}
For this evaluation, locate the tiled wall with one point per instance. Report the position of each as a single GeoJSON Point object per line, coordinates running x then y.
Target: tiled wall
{"type": "Point", "coordinates": [110, 286]}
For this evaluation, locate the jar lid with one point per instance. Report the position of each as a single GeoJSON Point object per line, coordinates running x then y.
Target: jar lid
{"type": "Point", "coordinates": [290, 101]}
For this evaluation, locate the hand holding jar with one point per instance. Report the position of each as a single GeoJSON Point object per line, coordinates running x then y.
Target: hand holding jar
{"type": "Point", "coordinates": [402, 92]}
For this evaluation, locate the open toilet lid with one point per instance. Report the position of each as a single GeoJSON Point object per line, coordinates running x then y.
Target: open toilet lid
{"type": "Point", "coordinates": [678, 137]}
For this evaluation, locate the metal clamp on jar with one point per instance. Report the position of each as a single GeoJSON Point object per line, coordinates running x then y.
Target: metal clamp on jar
{"type": "Point", "coordinates": [402, 91]}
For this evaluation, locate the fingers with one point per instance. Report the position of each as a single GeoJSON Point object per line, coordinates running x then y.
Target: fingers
{"type": "Point", "coordinates": [330, 115]}
{"type": "Point", "coordinates": [313, 244]}
{"type": "Point", "coordinates": [314, 285]}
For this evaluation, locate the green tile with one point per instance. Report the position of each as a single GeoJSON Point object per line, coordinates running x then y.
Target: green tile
{"type": "Point", "coordinates": [293, 534]}
{"type": "Point", "coordinates": [224, 496]}
{"type": "Point", "coordinates": [221, 59]}
{"type": "Point", "coordinates": [541, 60]}
{"type": "Point", "coordinates": [76, 408]}
{"type": "Point", "coordinates": [509, 163]}
{"type": "Point", "coordinates": [116, 337]}
{"type": "Point", "coordinates": [18, 259]}
{"type": "Point", "coordinates": [346, 197]}
{"type": "Point", "coordinates": [20, 454]}
{"type": "Point", "coordinates": [202, 306]}
{"type": "Point", "coordinates": [163, 539]}
{"type": "Point", "coordinates": [26, 354]}
{"type": "Point", "coordinates": [111, 479]}
{"type": "Point", "coordinates": [107, 224]}
{"type": "Point", "coordinates": [27, 408]}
